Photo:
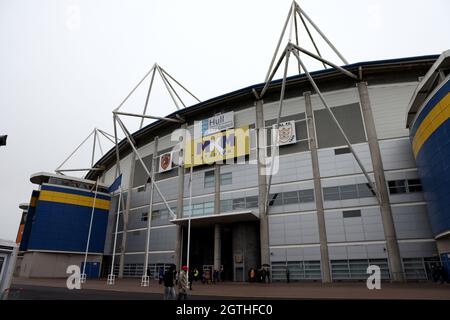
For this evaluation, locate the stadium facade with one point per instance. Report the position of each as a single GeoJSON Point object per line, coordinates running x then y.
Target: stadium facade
{"type": "Point", "coordinates": [315, 173]}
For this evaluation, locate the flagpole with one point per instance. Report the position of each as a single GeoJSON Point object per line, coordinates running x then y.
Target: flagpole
{"type": "Point", "coordinates": [83, 275]}
{"type": "Point", "coordinates": [190, 209]}
{"type": "Point", "coordinates": [111, 276]}
{"type": "Point", "coordinates": [145, 282]}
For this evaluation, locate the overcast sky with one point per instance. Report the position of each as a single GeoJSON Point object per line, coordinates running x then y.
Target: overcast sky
{"type": "Point", "coordinates": [64, 65]}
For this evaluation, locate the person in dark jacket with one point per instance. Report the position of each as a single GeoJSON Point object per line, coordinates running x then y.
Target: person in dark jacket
{"type": "Point", "coordinates": [161, 275]}
{"type": "Point", "coordinates": [169, 291]}
{"type": "Point", "coordinates": [190, 278]}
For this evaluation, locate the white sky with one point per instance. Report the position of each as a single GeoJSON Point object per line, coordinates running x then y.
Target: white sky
{"type": "Point", "coordinates": [59, 79]}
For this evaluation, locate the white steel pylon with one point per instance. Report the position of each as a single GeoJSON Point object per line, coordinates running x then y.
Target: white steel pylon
{"type": "Point", "coordinates": [169, 83]}
{"type": "Point", "coordinates": [296, 50]}
{"type": "Point", "coordinates": [95, 135]}
{"type": "Point", "coordinates": [295, 13]}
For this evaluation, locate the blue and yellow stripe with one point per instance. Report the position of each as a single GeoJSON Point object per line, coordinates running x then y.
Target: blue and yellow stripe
{"type": "Point", "coordinates": [434, 114]}
{"type": "Point", "coordinates": [435, 118]}
{"type": "Point", "coordinates": [73, 197]}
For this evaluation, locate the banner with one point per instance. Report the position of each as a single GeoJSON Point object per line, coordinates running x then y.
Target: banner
{"type": "Point", "coordinates": [218, 147]}
{"type": "Point", "coordinates": [213, 125]}
{"type": "Point", "coordinates": [165, 162]}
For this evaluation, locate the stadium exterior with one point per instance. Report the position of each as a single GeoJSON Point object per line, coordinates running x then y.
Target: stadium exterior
{"type": "Point", "coordinates": [316, 173]}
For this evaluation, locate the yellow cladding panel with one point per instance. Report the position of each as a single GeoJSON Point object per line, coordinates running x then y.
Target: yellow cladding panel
{"type": "Point", "coordinates": [436, 117]}
{"type": "Point", "coordinates": [220, 146]}
{"type": "Point", "coordinates": [75, 199]}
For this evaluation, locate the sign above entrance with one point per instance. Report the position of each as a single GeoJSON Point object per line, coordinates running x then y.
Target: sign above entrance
{"type": "Point", "coordinates": [214, 124]}
{"type": "Point", "coordinates": [217, 147]}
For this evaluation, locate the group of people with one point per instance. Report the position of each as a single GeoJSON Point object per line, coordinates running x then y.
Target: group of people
{"type": "Point", "coordinates": [171, 278]}
{"type": "Point", "coordinates": [259, 275]}
{"type": "Point", "coordinates": [439, 274]}
{"type": "Point", "coordinates": [183, 279]}
{"type": "Point", "coordinates": [209, 276]}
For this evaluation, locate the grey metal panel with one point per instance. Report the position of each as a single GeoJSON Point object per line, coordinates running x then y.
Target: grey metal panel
{"type": "Point", "coordinates": [331, 165]}
{"type": "Point", "coordinates": [364, 251]}
{"type": "Point", "coordinates": [152, 258]}
{"type": "Point", "coordinates": [290, 107]}
{"type": "Point", "coordinates": [397, 154]}
{"type": "Point", "coordinates": [350, 119]}
{"type": "Point", "coordinates": [136, 241]}
{"type": "Point", "coordinates": [376, 251]}
{"type": "Point", "coordinates": [140, 175]}
{"type": "Point", "coordinates": [169, 189]}
{"type": "Point", "coordinates": [294, 254]}
{"type": "Point", "coordinates": [368, 227]}
{"type": "Point", "coordinates": [168, 257]}
{"type": "Point", "coordinates": [337, 252]}
{"type": "Point", "coordinates": [411, 222]}
{"type": "Point", "coordinates": [357, 252]}
{"type": "Point", "coordinates": [293, 229]}
{"type": "Point", "coordinates": [276, 231]}
{"type": "Point", "coordinates": [163, 239]}
{"type": "Point", "coordinates": [277, 254]}
{"type": "Point", "coordinates": [389, 103]}
{"type": "Point", "coordinates": [134, 258]}
{"type": "Point", "coordinates": [244, 117]}
{"type": "Point", "coordinates": [418, 249]}
{"type": "Point", "coordinates": [294, 167]}
{"type": "Point", "coordinates": [311, 253]}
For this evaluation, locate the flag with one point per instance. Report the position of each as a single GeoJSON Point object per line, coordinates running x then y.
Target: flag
{"type": "Point", "coordinates": [3, 140]}
{"type": "Point", "coordinates": [116, 184]}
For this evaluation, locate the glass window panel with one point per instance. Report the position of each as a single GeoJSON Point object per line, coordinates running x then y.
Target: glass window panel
{"type": "Point", "coordinates": [348, 192]}
{"type": "Point", "coordinates": [331, 193]}
{"type": "Point", "coordinates": [290, 197]}
{"type": "Point", "coordinates": [209, 179]}
{"type": "Point", "coordinates": [306, 195]}
{"type": "Point", "coordinates": [239, 203]}
{"type": "Point", "coordinates": [414, 185]}
{"type": "Point", "coordinates": [226, 205]}
{"type": "Point", "coordinates": [208, 208]}
{"type": "Point", "coordinates": [276, 199]}
{"type": "Point", "coordinates": [364, 191]}
{"type": "Point", "coordinates": [397, 186]}
{"type": "Point", "coordinates": [251, 202]}
{"type": "Point", "coordinates": [226, 179]}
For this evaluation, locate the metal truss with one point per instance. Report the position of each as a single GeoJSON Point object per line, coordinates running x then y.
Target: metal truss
{"type": "Point", "coordinates": [167, 79]}
{"type": "Point", "coordinates": [96, 142]}
{"type": "Point", "coordinates": [296, 50]}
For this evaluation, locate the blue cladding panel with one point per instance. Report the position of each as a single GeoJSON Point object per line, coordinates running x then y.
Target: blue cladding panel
{"type": "Point", "coordinates": [27, 229]}
{"type": "Point", "coordinates": [440, 94]}
{"type": "Point", "coordinates": [433, 162]}
{"type": "Point", "coordinates": [65, 227]}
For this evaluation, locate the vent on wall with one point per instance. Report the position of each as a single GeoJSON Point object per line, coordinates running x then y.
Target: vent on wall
{"type": "Point", "coordinates": [341, 151]}
{"type": "Point", "coordinates": [351, 213]}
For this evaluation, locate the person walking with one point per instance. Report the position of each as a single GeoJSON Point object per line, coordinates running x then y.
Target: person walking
{"type": "Point", "coordinates": [190, 279]}
{"type": "Point", "coordinates": [252, 275]}
{"type": "Point", "coordinates": [169, 291]}
{"type": "Point", "coordinates": [196, 274]}
{"type": "Point", "coordinates": [287, 275]}
{"type": "Point", "coordinates": [183, 283]}
{"type": "Point", "coordinates": [161, 275]}
{"type": "Point", "coordinates": [215, 276]}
